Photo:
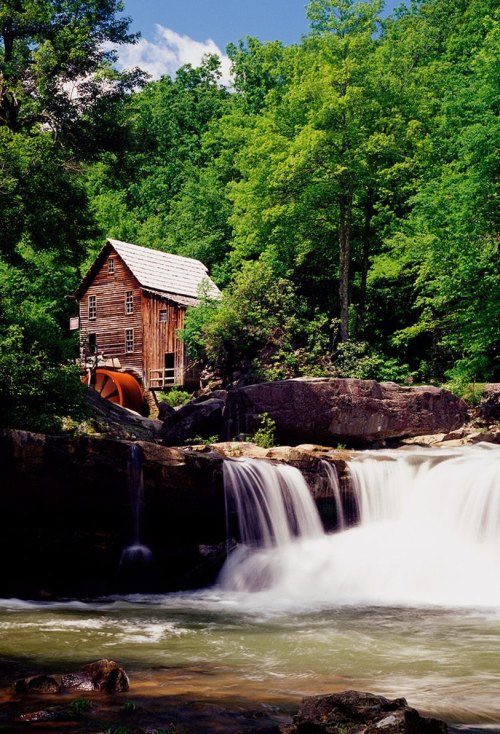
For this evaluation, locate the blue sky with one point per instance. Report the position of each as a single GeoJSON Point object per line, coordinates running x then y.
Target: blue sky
{"type": "Point", "coordinates": [175, 32]}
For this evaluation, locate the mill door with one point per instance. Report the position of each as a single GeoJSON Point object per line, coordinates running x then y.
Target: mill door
{"type": "Point", "coordinates": [169, 366]}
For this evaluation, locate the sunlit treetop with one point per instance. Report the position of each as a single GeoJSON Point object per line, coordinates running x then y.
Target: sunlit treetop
{"type": "Point", "coordinates": [56, 60]}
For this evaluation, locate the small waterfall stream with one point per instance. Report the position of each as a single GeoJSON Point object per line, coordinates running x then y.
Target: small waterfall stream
{"type": "Point", "coordinates": [136, 554]}
{"type": "Point", "coordinates": [429, 531]}
{"type": "Point", "coordinates": [333, 479]}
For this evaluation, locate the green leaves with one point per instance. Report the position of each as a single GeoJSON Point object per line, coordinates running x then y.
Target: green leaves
{"type": "Point", "coordinates": [52, 53]}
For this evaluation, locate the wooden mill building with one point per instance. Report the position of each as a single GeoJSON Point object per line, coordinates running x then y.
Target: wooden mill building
{"type": "Point", "coordinates": [132, 303]}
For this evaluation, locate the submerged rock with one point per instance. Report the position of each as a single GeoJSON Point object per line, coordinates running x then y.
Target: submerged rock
{"type": "Point", "coordinates": [356, 712]}
{"type": "Point", "coordinates": [77, 682]}
{"type": "Point", "coordinates": [100, 675]}
{"type": "Point", "coordinates": [39, 684]}
{"type": "Point", "coordinates": [54, 713]}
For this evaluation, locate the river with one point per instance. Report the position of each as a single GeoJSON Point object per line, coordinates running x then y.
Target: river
{"type": "Point", "coordinates": [406, 604]}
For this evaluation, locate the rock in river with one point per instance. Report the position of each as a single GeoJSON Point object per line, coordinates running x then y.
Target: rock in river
{"type": "Point", "coordinates": [100, 675]}
{"type": "Point", "coordinates": [356, 712]}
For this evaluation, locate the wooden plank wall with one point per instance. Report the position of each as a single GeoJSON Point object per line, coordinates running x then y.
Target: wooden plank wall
{"type": "Point", "coordinates": [161, 336]}
{"type": "Point", "coordinates": [112, 320]}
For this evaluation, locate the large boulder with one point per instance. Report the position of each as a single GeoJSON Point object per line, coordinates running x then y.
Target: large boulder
{"type": "Point", "coordinates": [331, 410]}
{"type": "Point", "coordinates": [489, 407]}
{"type": "Point", "coordinates": [355, 712]}
{"type": "Point", "coordinates": [106, 675]}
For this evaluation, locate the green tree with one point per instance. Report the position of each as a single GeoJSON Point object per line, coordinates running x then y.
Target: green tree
{"type": "Point", "coordinates": [257, 70]}
{"type": "Point", "coordinates": [132, 190]}
{"type": "Point", "coordinates": [446, 249]}
{"type": "Point", "coordinates": [318, 167]}
{"type": "Point", "coordinates": [259, 327]}
{"type": "Point", "coordinates": [43, 203]}
{"type": "Point", "coordinates": [55, 63]}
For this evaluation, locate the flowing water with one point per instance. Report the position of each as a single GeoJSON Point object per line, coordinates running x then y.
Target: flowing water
{"type": "Point", "coordinates": [405, 604]}
{"type": "Point", "coordinates": [136, 555]}
{"type": "Point", "coordinates": [333, 478]}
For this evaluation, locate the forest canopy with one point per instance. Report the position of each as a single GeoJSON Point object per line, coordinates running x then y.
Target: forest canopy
{"type": "Point", "coordinates": [344, 192]}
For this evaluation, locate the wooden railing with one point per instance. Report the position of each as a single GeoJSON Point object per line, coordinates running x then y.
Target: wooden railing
{"type": "Point", "coordinates": [165, 377]}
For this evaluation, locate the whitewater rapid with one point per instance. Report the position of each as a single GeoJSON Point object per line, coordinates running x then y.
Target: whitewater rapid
{"type": "Point", "coordinates": [429, 533]}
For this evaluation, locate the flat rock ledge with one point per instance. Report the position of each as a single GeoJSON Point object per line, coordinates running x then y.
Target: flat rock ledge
{"type": "Point", "coordinates": [357, 712]}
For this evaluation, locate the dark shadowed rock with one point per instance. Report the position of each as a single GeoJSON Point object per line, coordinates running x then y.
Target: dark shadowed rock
{"type": "Point", "coordinates": [120, 422]}
{"type": "Point", "coordinates": [165, 411]}
{"type": "Point", "coordinates": [203, 419]}
{"type": "Point", "coordinates": [39, 684]}
{"type": "Point", "coordinates": [355, 712]}
{"type": "Point", "coordinates": [328, 410]}
{"type": "Point", "coordinates": [489, 407]}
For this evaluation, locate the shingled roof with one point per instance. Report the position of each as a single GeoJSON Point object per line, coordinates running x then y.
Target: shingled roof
{"type": "Point", "coordinates": [172, 276]}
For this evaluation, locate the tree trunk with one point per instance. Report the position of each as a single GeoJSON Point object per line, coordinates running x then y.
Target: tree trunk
{"type": "Point", "coordinates": [345, 206]}
{"type": "Point", "coordinates": [9, 106]}
{"type": "Point", "coordinates": [369, 211]}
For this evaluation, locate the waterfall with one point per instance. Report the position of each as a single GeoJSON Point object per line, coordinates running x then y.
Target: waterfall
{"type": "Point", "coordinates": [333, 480]}
{"type": "Point", "coordinates": [136, 554]}
{"type": "Point", "coordinates": [429, 526]}
{"type": "Point", "coordinates": [428, 532]}
{"type": "Point", "coordinates": [274, 509]}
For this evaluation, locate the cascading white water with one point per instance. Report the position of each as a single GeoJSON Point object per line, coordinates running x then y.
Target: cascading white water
{"type": "Point", "coordinates": [429, 526]}
{"type": "Point", "coordinates": [274, 509]}
{"type": "Point", "coordinates": [272, 502]}
{"type": "Point", "coordinates": [429, 533]}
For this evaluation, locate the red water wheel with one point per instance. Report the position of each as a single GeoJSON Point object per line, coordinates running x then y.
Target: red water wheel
{"type": "Point", "coordinates": [118, 387]}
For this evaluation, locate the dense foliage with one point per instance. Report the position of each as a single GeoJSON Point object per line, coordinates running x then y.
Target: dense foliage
{"type": "Point", "coordinates": [55, 81]}
{"type": "Point", "coordinates": [344, 193]}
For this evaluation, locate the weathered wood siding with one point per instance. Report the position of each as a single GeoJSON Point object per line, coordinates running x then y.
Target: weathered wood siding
{"type": "Point", "coordinates": [160, 337]}
{"type": "Point", "coordinates": [112, 321]}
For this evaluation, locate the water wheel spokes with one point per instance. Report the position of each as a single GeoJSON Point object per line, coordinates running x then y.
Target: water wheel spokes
{"type": "Point", "coordinates": [107, 387]}
{"type": "Point", "coordinates": [119, 388]}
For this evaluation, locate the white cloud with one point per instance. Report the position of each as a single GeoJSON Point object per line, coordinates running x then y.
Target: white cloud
{"type": "Point", "coordinates": [168, 51]}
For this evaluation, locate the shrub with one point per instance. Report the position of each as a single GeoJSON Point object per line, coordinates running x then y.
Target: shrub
{"type": "Point", "coordinates": [201, 441]}
{"type": "Point", "coordinates": [355, 359]}
{"type": "Point", "coordinates": [175, 397]}
{"type": "Point", "coordinates": [265, 436]}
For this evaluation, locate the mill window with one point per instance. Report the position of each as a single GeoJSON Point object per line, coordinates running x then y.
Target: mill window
{"type": "Point", "coordinates": [163, 315]}
{"type": "Point", "coordinates": [92, 307]}
{"type": "Point", "coordinates": [111, 265]}
{"type": "Point", "coordinates": [129, 340]}
{"type": "Point", "coordinates": [129, 302]}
